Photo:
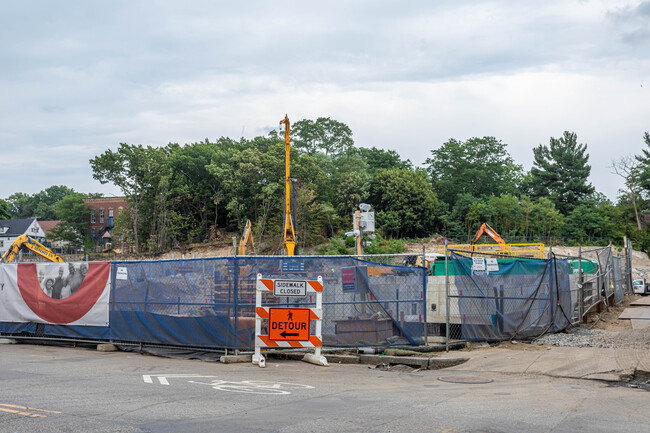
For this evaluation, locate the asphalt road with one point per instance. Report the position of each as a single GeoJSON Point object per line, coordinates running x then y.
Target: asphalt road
{"type": "Point", "coordinates": [56, 389]}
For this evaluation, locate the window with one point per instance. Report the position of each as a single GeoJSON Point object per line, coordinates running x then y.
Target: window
{"type": "Point", "coordinates": [92, 218]}
{"type": "Point", "coordinates": [101, 216]}
{"type": "Point", "coordinates": [2, 244]}
{"type": "Point", "coordinates": [110, 213]}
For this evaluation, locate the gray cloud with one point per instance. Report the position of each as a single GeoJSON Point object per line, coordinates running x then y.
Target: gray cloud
{"type": "Point", "coordinates": [79, 79]}
{"type": "Point", "coordinates": [632, 23]}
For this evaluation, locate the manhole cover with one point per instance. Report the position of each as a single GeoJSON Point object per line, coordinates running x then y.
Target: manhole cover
{"type": "Point", "coordinates": [472, 380]}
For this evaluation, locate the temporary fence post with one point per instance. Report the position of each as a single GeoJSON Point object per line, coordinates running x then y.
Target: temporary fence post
{"type": "Point", "coordinates": [581, 293]}
{"type": "Point", "coordinates": [319, 322]}
{"type": "Point", "coordinates": [257, 357]}
{"type": "Point", "coordinates": [424, 295]}
{"type": "Point", "coordinates": [236, 299]}
{"type": "Point", "coordinates": [629, 264]}
{"type": "Point", "coordinates": [447, 296]}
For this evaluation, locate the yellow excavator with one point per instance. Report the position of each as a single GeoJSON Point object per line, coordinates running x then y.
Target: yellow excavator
{"type": "Point", "coordinates": [486, 229]}
{"type": "Point", "coordinates": [29, 244]}
{"type": "Point", "coordinates": [247, 237]}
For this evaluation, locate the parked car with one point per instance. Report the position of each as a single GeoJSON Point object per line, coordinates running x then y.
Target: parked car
{"type": "Point", "coordinates": [640, 287]}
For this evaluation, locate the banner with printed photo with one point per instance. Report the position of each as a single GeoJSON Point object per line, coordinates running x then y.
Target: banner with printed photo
{"type": "Point", "coordinates": [55, 293]}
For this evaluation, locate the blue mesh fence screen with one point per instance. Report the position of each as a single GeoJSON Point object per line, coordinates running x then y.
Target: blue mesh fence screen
{"type": "Point", "coordinates": [523, 298]}
{"type": "Point", "coordinates": [211, 302]}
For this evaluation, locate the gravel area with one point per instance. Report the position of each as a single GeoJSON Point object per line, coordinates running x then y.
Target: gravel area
{"type": "Point", "coordinates": [582, 336]}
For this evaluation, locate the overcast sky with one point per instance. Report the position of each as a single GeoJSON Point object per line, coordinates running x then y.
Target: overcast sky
{"type": "Point", "coordinates": [78, 78]}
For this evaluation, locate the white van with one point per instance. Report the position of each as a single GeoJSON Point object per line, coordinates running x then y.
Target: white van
{"type": "Point", "coordinates": [640, 287]}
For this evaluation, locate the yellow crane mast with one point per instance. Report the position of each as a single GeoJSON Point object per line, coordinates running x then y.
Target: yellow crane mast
{"type": "Point", "coordinates": [289, 241]}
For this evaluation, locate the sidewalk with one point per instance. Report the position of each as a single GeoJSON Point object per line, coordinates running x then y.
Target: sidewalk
{"type": "Point", "coordinates": [568, 362]}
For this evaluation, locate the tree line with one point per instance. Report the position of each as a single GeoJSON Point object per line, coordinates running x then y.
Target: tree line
{"type": "Point", "coordinates": [183, 194]}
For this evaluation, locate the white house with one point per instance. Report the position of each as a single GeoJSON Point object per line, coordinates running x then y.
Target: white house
{"type": "Point", "coordinates": [11, 229]}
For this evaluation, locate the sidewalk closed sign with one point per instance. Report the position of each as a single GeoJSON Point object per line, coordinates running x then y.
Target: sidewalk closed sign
{"type": "Point", "coordinates": [289, 324]}
{"type": "Point", "coordinates": [290, 288]}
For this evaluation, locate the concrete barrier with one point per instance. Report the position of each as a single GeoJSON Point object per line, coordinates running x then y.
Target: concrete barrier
{"type": "Point", "coordinates": [233, 359]}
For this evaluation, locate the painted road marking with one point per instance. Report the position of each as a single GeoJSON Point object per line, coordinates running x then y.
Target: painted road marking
{"type": "Point", "coordinates": [162, 378]}
{"type": "Point", "coordinates": [255, 386]}
{"type": "Point", "coordinates": [245, 386]}
{"type": "Point", "coordinates": [21, 410]}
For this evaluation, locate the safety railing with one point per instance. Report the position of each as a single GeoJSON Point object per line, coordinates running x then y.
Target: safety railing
{"type": "Point", "coordinates": [535, 250]}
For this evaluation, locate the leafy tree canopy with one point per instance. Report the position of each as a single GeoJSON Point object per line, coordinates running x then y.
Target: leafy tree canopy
{"type": "Point", "coordinates": [561, 171]}
{"type": "Point", "coordinates": [406, 203]}
{"type": "Point", "coordinates": [324, 135]}
{"type": "Point", "coordinates": [479, 166]}
{"type": "Point", "coordinates": [644, 164]}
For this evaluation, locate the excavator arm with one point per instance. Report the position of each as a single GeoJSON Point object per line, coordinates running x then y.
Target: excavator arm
{"type": "Point", "coordinates": [486, 229]}
{"type": "Point", "coordinates": [245, 239]}
{"type": "Point", "coordinates": [25, 242]}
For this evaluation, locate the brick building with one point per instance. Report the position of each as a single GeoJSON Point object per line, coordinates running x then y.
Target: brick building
{"type": "Point", "coordinates": [102, 218]}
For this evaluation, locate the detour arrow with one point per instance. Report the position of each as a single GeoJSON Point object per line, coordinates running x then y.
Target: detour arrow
{"type": "Point", "coordinates": [286, 334]}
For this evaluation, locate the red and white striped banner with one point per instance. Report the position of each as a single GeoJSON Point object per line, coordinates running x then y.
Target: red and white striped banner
{"type": "Point", "coordinates": [55, 293]}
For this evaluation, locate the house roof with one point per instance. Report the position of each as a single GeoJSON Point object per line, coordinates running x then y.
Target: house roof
{"type": "Point", "coordinates": [16, 227]}
{"type": "Point", "coordinates": [48, 226]}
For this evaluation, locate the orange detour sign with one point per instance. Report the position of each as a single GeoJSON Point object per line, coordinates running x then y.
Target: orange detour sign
{"type": "Point", "coordinates": [289, 324]}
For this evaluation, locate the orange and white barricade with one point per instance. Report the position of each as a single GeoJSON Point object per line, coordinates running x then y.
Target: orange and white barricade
{"type": "Point", "coordinates": [289, 327]}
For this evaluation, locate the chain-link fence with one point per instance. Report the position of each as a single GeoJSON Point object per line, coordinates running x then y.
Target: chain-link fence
{"type": "Point", "coordinates": [210, 303]}
{"type": "Point", "coordinates": [505, 299]}
{"type": "Point", "coordinates": [478, 296]}
{"type": "Point", "coordinates": [378, 300]}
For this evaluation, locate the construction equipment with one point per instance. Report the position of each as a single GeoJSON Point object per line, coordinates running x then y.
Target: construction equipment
{"type": "Point", "coordinates": [29, 244]}
{"type": "Point", "coordinates": [247, 237]}
{"type": "Point", "coordinates": [289, 241]}
{"type": "Point", "coordinates": [485, 228]}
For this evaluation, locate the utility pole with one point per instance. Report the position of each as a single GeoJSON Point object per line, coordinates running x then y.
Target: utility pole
{"type": "Point", "coordinates": [359, 238]}
{"type": "Point", "coordinates": [289, 242]}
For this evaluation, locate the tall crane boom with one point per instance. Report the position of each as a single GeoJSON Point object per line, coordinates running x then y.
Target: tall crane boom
{"type": "Point", "coordinates": [289, 241]}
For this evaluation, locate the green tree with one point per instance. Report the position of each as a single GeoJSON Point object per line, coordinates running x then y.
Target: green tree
{"type": "Point", "coordinates": [526, 206]}
{"type": "Point", "coordinates": [405, 203]}
{"type": "Point", "coordinates": [73, 213]}
{"type": "Point", "coordinates": [4, 210]}
{"type": "Point", "coordinates": [137, 171]}
{"type": "Point", "coordinates": [380, 159]}
{"type": "Point", "coordinates": [561, 171]}
{"type": "Point", "coordinates": [628, 168]}
{"type": "Point", "coordinates": [324, 135]}
{"type": "Point", "coordinates": [506, 214]}
{"type": "Point", "coordinates": [40, 204]}
{"type": "Point", "coordinates": [587, 221]}
{"type": "Point", "coordinates": [22, 205]}
{"type": "Point", "coordinates": [546, 220]}
{"type": "Point", "coordinates": [478, 166]}
{"type": "Point", "coordinates": [644, 165]}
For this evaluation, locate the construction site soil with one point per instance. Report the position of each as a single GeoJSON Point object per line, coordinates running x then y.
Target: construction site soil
{"type": "Point", "coordinates": [640, 260]}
